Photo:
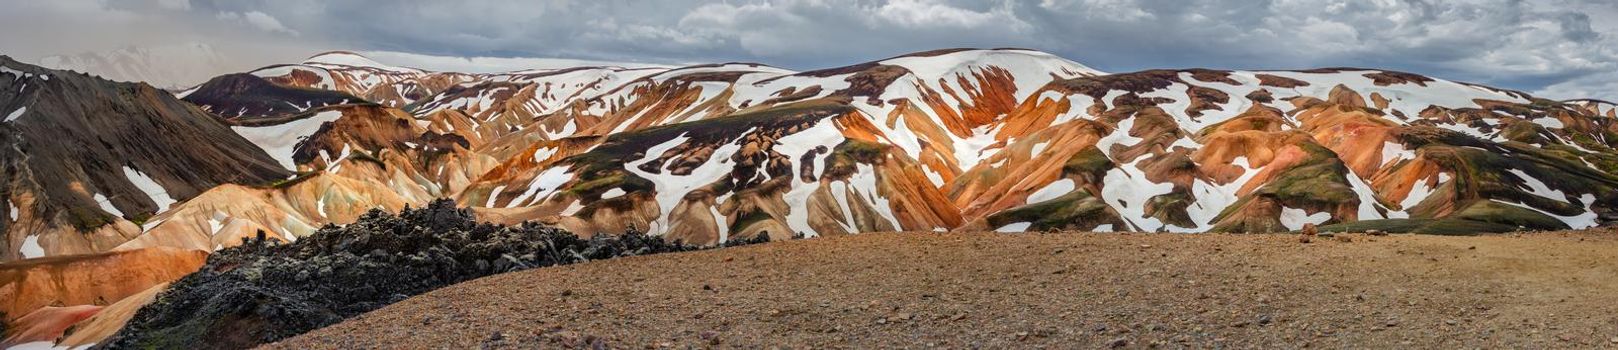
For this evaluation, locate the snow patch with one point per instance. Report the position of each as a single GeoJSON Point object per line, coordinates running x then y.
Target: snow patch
{"type": "Point", "coordinates": [493, 196]}
{"type": "Point", "coordinates": [969, 151]}
{"type": "Point", "coordinates": [1052, 190]}
{"type": "Point", "coordinates": [1128, 190]}
{"type": "Point", "coordinates": [153, 190]}
{"type": "Point", "coordinates": [1392, 151]}
{"type": "Point", "coordinates": [612, 193]}
{"type": "Point", "coordinates": [1539, 188]}
{"type": "Point", "coordinates": [795, 146]}
{"type": "Point", "coordinates": [1549, 122]}
{"type": "Point", "coordinates": [1294, 219]}
{"type": "Point", "coordinates": [1419, 192]}
{"type": "Point", "coordinates": [279, 141]}
{"type": "Point", "coordinates": [670, 189]}
{"type": "Point", "coordinates": [1038, 147]}
{"type": "Point", "coordinates": [542, 154]}
{"type": "Point", "coordinates": [933, 176]}
{"type": "Point", "coordinates": [1368, 203]}
{"type": "Point", "coordinates": [106, 205]}
{"type": "Point", "coordinates": [1581, 221]}
{"type": "Point", "coordinates": [1119, 136]}
{"type": "Point", "coordinates": [30, 247]}
{"type": "Point", "coordinates": [1014, 227]}
{"type": "Point", "coordinates": [1212, 198]}
{"type": "Point", "coordinates": [16, 114]}
{"type": "Point", "coordinates": [543, 186]}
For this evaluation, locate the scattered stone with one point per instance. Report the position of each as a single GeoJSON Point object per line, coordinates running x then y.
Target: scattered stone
{"type": "Point", "coordinates": [1376, 233]}
{"type": "Point", "coordinates": [1118, 343]}
{"type": "Point", "coordinates": [1264, 320]}
{"type": "Point", "coordinates": [1308, 233]}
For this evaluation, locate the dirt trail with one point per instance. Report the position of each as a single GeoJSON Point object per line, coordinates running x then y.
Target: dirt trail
{"type": "Point", "coordinates": [926, 290]}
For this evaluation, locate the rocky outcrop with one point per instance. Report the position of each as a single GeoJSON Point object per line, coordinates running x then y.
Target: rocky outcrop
{"type": "Point", "coordinates": [262, 291]}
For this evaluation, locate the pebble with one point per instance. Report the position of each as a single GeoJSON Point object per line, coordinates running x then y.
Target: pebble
{"type": "Point", "coordinates": [1118, 343]}
{"type": "Point", "coordinates": [1264, 320]}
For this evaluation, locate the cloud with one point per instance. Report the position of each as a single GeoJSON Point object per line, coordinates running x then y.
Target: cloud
{"type": "Point", "coordinates": [258, 20]}
{"type": "Point", "coordinates": [488, 64]}
{"type": "Point", "coordinates": [1533, 45]}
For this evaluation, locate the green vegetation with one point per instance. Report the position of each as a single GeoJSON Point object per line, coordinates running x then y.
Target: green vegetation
{"type": "Point", "coordinates": [1090, 162]}
{"type": "Point", "coordinates": [747, 219]}
{"type": "Point", "coordinates": [87, 219]}
{"type": "Point", "coordinates": [1479, 218]}
{"type": "Point", "coordinates": [1076, 210]}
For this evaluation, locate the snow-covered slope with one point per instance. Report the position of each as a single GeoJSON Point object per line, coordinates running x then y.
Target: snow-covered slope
{"type": "Point", "coordinates": [943, 140]}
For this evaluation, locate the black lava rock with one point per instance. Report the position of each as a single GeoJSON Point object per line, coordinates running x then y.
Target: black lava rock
{"type": "Point", "coordinates": [261, 292]}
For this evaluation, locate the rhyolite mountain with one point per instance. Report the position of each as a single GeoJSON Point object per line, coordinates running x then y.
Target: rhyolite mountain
{"type": "Point", "coordinates": [946, 140]}
{"type": "Point", "coordinates": [1002, 139]}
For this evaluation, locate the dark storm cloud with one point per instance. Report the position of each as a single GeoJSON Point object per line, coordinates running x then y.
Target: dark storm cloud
{"type": "Point", "coordinates": [1564, 48]}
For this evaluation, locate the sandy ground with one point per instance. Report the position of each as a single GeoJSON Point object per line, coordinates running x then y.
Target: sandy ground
{"type": "Point", "coordinates": [1072, 290]}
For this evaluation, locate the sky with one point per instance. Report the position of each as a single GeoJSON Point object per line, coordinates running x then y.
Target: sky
{"type": "Point", "coordinates": [1553, 48]}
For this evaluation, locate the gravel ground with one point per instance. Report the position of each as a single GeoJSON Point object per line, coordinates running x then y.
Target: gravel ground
{"type": "Point", "coordinates": [1069, 290]}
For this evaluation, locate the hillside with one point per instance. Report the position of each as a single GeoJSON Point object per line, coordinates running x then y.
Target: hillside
{"type": "Point", "coordinates": [87, 161]}
{"type": "Point", "coordinates": [1067, 290]}
{"type": "Point", "coordinates": [962, 139]}
{"type": "Point", "coordinates": [953, 140]}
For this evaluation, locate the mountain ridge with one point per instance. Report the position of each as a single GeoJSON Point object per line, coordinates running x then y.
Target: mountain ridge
{"type": "Point", "coordinates": [960, 140]}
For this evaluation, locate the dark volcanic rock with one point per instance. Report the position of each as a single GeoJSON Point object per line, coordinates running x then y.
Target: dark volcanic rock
{"type": "Point", "coordinates": [246, 97]}
{"type": "Point", "coordinates": [261, 292]}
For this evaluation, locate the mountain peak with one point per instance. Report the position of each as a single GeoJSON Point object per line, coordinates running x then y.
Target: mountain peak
{"type": "Point", "coordinates": [349, 58]}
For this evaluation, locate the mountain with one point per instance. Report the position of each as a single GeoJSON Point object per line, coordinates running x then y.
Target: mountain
{"type": "Point", "coordinates": [88, 160]}
{"type": "Point", "coordinates": [962, 139]}
{"type": "Point", "coordinates": [949, 140]}
{"type": "Point", "coordinates": [166, 66]}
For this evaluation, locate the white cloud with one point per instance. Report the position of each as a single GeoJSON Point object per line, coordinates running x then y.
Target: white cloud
{"type": "Point", "coordinates": [257, 19]}
{"type": "Point", "coordinates": [932, 14]}
{"type": "Point", "coordinates": [1529, 45]}
{"type": "Point", "coordinates": [488, 64]}
{"type": "Point", "coordinates": [175, 4]}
